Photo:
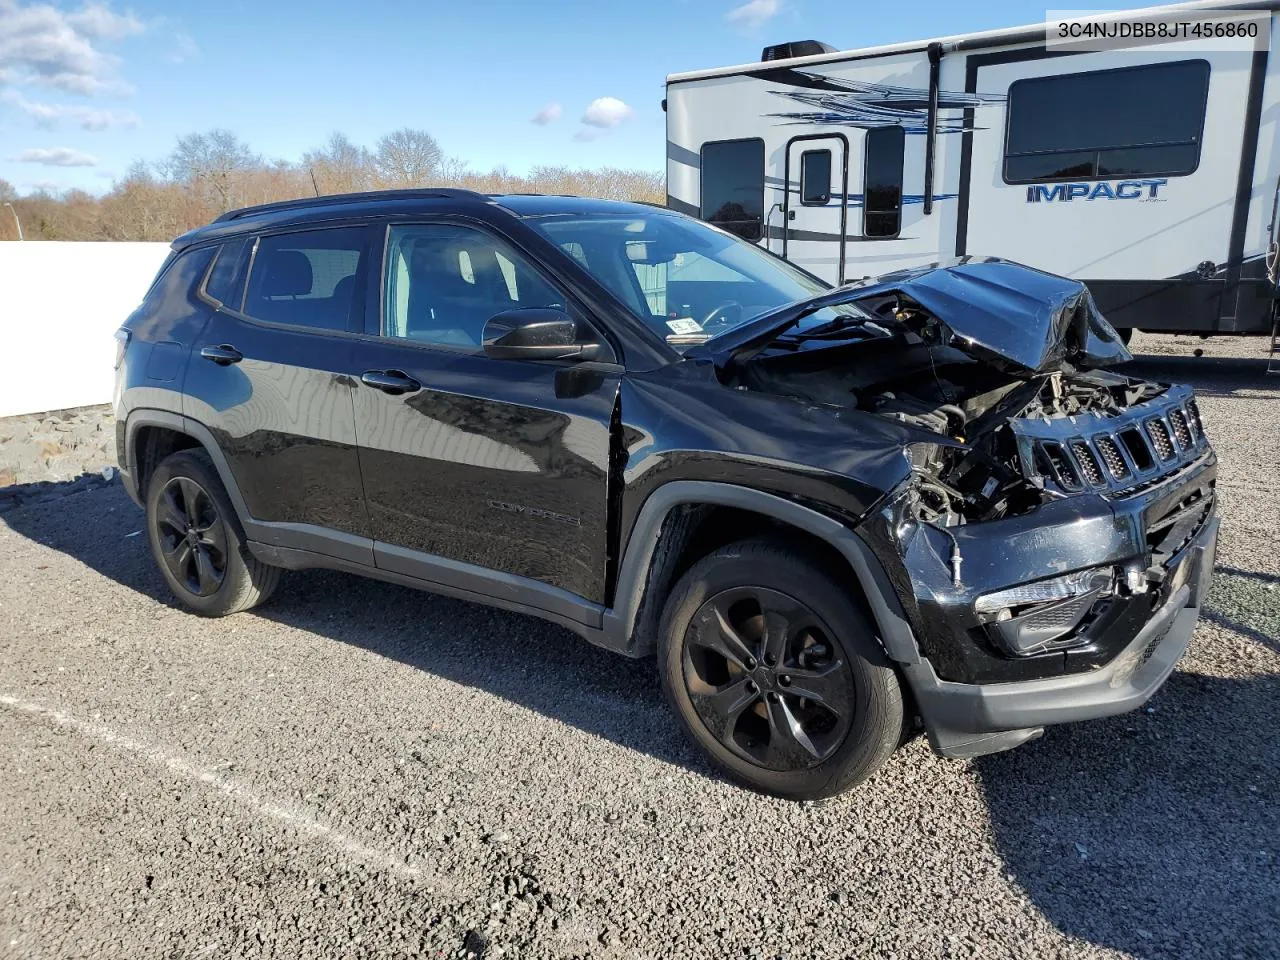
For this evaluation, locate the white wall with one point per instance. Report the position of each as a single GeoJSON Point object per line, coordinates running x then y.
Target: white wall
{"type": "Point", "coordinates": [59, 305]}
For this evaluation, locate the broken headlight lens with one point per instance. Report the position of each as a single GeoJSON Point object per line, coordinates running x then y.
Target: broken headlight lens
{"type": "Point", "coordinates": [1045, 591]}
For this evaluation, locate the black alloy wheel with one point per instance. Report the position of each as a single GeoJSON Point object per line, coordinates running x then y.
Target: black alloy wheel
{"type": "Point", "coordinates": [192, 536]}
{"type": "Point", "coordinates": [775, 672]}
{"type": "Point", "coordinates": [768, 679]}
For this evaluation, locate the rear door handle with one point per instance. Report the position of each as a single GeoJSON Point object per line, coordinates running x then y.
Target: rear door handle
{"type": "Point", "coordinates": [393, 382]}
{"type": "Point", "coordinates": [223, 354]}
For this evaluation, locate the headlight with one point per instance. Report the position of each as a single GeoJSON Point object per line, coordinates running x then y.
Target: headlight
{"type": "Point", "coordinates": [1044, 591]}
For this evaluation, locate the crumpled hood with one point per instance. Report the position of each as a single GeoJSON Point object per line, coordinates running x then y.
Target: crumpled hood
{"type": "Point", "coordinates": [1020, 318]}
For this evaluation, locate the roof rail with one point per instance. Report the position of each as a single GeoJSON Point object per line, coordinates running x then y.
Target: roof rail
{"type": "Point", "coordinates": [423, 193]}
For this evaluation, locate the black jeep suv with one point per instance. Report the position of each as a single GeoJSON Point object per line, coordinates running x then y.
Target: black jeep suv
{"type": "Point", "coordinates": [832, 513]}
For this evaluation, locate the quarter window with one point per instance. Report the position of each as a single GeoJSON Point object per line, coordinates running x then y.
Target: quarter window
{"type": "Point", "coordinates": [1131, 122]}
{"type": "Point", "coordinates": [226, 279]}
{"type": "Point", "coordinates": [309, 279]}
{"type": "Point", "coordinates": [815, 177]}
{"type": "Point", "coordinates": [733, 186]}
{"type": "Point", "coordinates": [882, 204]}
{"type": "Point", "coordinates": [444, 281]}
{"type": "Point", "coordinates": [177, 285]}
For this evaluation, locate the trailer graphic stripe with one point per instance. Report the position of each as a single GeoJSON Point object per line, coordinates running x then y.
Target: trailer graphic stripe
{"type": "Point", "coordinates": [856, 103]}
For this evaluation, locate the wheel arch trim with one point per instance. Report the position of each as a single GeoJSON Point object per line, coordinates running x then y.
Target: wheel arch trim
{"type": "Point", "coordinates": [304, 536]}
{"type": "Point", "coordinates": [147, 417]}
{"type": "Point", "coordinates": [621, 622]}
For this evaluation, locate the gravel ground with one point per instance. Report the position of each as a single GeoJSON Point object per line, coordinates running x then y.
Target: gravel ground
{"type": "Point", "coordinates": [362, 770]}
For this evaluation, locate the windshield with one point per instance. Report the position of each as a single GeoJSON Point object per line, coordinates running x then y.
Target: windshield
{"type": "Point", "coordinates": [687, 280]}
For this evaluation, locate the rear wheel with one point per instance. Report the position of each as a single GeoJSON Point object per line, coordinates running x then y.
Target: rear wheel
{"type": "Point", "coordinates": [197, 542]}
{"type": "Point", "coordinates": [776, 674]}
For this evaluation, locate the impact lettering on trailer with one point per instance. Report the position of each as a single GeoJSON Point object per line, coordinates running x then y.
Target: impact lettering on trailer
{"type": "Point", "coordinates": [1122, 190]}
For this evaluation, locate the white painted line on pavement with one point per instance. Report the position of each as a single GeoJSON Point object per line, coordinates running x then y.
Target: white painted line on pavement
{"type": "Point", "coordinates": [291, 816]}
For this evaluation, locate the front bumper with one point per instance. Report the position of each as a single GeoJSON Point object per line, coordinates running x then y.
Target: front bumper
{"type": "Point", "coordinates": [970, 719]}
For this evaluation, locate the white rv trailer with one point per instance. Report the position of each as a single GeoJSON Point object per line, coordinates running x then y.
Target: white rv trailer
{"type": "Point", "coordinates": [1150, 173]}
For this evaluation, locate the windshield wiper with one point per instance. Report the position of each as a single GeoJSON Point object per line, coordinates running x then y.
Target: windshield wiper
{"type": "Point", "coordinates": [837, 328]}
{"type": "Point", "coordinates": [743, 342]}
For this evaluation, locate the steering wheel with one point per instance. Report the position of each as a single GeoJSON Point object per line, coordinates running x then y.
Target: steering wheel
{"type": "Point", "coordinates": [717, 322]}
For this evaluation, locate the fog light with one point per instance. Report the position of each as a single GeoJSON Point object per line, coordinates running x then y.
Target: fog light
{"type": "Point", "coordinates": [1038, 617]}
{"type": "Point", "coordinates": [1045, 591]}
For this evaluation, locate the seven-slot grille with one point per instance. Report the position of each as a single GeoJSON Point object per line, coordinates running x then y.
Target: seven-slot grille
{"type": "Point", "coordinates": [1114, 454]}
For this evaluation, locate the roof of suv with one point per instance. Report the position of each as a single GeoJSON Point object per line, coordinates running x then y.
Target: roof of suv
{"type": "Point", "coordinates": [312, 209]}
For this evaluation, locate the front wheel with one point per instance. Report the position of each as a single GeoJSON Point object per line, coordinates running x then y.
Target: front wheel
{"type": "Point", "coordinates": [197, 541]}
{"type": "Point", "coordinates": [776, 674]}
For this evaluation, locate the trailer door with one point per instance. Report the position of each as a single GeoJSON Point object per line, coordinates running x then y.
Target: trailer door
{"type": "Point", "coordinates": [816, 208]}
{"type": "Point", "coordinates": [1116, 167]}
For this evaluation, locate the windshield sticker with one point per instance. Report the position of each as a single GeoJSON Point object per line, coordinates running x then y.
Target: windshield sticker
{"type": "Point", "coordinates": [684, 325]}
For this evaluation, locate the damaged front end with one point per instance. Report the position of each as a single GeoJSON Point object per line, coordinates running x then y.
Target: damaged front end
{"type": "Point", "coordinates": [1051, 504]}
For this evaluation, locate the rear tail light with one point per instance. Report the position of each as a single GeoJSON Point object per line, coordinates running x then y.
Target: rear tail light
{"type": "Point", "coordinates": [122, 342]}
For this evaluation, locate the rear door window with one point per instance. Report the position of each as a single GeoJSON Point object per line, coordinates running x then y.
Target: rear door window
{"type": "Point", "coordinates": [311, 278]}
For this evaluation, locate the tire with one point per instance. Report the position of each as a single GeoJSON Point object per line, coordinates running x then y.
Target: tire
{"type": "Point", "coordinates": [1126, 334]}
{"type": "Point", "coordinates": [197, 541]}
{"type": "Point", "coordinates": [775, 599]}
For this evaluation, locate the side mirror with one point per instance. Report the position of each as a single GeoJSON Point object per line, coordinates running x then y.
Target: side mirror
{"type": "Point", "coordinates": [539, 333]}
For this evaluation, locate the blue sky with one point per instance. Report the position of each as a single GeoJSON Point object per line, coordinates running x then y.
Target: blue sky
{"type": "Point", "coordinates": [87, 89]}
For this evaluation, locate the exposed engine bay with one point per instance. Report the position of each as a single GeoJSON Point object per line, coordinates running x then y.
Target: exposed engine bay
{"type": "Point", "coordinates": [902, 363]}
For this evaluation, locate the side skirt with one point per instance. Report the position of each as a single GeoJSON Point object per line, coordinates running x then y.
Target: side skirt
{"type": "Point", "coordinates": [451, 579]}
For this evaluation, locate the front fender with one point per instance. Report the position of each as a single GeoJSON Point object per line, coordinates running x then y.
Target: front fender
{"type": "Point", "coordinates": [621, 622]}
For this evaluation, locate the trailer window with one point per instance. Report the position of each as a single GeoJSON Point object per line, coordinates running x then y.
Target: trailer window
{"type": "Point", "coordinates": [1131, 122]}
{"type": "Point", "coordinates": [882, 205]}
{"type": "Point", "coordinates": [733, 186]}
{"type": "Point", "coordinates": [815, 177]}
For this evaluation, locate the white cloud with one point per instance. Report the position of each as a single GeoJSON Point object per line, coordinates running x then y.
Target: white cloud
{"type": "Point", "coordinates": [606, 112]}
{"type": "Point", "coordinates": [44, 45]}
{"type": "Point", "coordinates": [58, 157]}
{"type": "Point", "coordinates": [87, 118]}
{"type": "Point", "coordinates": [548, 114]}
{"type": "Point", "coordinates": [587, 134]}
{"type": "Point", "coordinates": [98, 22]}
{"type": "Point", "coordinates": [184, 49]}
{"type": "Point", "coordinates": [753, 15]}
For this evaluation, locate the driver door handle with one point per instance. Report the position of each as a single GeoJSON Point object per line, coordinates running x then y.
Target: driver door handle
{"type": "Point", "coordinates": [394, 382]}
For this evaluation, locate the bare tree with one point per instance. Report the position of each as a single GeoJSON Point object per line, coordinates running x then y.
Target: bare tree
{"type": "Point", "coordinates": [340, 166]}
{"type": "Point", "coordinates": [211, 163]}
{"type": "Point", "coordinates": [141, 206]}
{"type": "Point", "coordinates": [452, 170]}
{"type": "Point", "coordinates": [408, 158]}
{"type": "Point", "coordinates": [208, 173]}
